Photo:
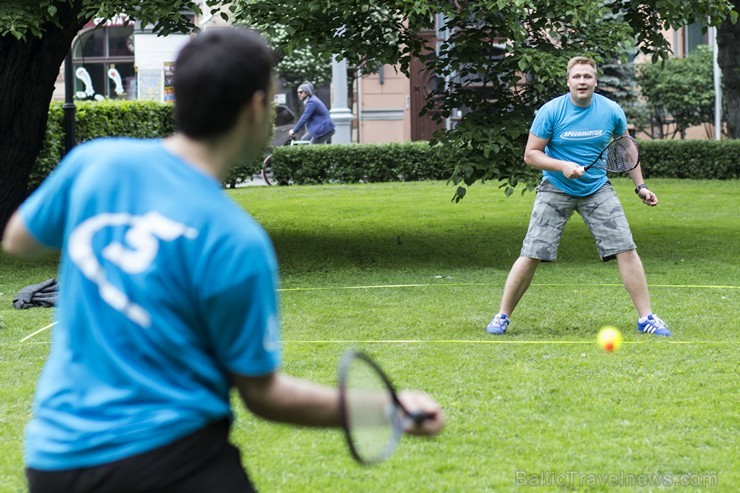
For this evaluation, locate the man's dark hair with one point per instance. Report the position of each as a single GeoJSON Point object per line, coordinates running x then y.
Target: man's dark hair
{"type": "Point", "coordinates": [216, 75]}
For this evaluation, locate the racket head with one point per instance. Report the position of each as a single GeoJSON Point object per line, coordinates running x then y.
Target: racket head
{"type": "Point", "coordinates": [621, 155]}
{"type": "Point", "coordinates": [372, 417]}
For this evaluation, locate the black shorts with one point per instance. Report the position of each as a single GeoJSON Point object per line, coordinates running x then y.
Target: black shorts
{"type": "Point", "coordinates": [202, 462]}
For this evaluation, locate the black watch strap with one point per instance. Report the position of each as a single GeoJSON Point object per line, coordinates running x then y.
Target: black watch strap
{"type": "Point", "coordinates": [640, 187]}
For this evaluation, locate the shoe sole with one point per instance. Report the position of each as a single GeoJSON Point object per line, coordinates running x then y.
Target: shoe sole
{"type": "Point", "coordinates": [656, 333]}
{"type": "Point", "coordinates": [497, 331]}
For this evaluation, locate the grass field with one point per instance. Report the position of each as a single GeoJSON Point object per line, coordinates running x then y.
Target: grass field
{"type": "Point", "coordinates": [400, 272]}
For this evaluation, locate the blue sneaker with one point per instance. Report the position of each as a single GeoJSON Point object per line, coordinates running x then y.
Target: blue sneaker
{"type": "Point", "coordinates": [498, 325]}
{"type": "Point", "coordinates": [653, 325]}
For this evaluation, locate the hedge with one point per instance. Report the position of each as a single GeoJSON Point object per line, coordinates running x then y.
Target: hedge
{"type": "Point", "coordinates": [356, 162]}
{"type": "Point", "coordinates": [349, 163]}
{"type": "Point", "coordinates": [418, 161]}
{"type": "Point", "coordinates": [717, 160]}
{"type": "Point", "coordinates": [140, 119]}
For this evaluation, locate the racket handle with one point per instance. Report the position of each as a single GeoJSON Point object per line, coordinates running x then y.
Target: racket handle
{"type": "Point", "coordinates": [418, 417]}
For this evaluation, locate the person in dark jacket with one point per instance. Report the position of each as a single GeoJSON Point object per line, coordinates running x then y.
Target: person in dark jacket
{"type": "Point", "coordinates": [315, 117]}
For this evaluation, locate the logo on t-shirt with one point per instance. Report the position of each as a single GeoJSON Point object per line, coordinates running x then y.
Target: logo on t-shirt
{"type": "Point", "coordinates": [140, 250]}
{"type": "Point", "coordinates": [271, 340]}
{"type": "Point", "coordinates": [581, 134]}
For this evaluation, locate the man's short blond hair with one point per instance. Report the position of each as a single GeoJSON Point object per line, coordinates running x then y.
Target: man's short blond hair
{"type": "Point", "coordinates": [580, 60]}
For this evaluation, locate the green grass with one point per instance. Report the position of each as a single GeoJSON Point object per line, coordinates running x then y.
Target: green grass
{"type": "Point", "coordinates": [400, 272]}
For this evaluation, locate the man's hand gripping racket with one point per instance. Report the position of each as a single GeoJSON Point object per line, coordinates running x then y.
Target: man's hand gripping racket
{"type": "Point", "coordinates": [374, 416]}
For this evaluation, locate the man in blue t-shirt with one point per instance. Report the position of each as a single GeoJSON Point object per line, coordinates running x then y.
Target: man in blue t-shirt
{"type": "Point", "coordinates": [567, 134]}
{"type": "Point", "coordinates": [168, 296]}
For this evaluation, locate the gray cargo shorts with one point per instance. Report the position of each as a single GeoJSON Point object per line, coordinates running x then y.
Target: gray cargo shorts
{"type": "Point", "coordinates": [601, 211]}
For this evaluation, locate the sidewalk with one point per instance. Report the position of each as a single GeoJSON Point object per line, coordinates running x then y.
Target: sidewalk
{"type": "Point", "coordinates": [255, 181]}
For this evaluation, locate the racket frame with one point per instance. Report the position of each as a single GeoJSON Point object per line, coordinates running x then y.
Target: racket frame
{"type": "Point", "coordinates": [344, 366]}
{"type": "Point", "coordinates": [614, 143]}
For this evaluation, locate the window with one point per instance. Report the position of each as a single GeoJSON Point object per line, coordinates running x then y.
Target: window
{"type": "Point", "coordinates": [103, 64]}
{"type": "Point", "coordinates": [693, 37]}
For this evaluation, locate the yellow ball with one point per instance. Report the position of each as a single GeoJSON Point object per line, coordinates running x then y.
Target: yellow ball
{"type": "Point", "coordinates": [610, 338]}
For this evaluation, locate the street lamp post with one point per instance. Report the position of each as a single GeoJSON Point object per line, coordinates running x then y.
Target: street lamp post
{"type": "Point", "coordinates": [69, 104]}
{"type": "Point", "coordinates": [717, 76]}
{"type": "Point", "coordinates": [340, 112]}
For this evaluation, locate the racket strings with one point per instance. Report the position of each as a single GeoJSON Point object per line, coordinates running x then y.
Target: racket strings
{"type": "Point", "coordinates": [374, 424]}
{"type": "Point", "coordinates": [622, 155]}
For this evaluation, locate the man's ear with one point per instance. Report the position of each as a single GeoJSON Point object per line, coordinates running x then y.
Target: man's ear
{"type": "Point", "coordinates": [259, 98]}
{"type": "Point", "coordinates": [258, 105]}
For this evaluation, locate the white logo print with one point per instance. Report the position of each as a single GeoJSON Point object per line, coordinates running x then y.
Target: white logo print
{"type": "Point", "coordinates": [581, 134]}
{"type": "Point", "coordinates": [271, 340]}
{"type": "Point", "coordinates": [142, 246]}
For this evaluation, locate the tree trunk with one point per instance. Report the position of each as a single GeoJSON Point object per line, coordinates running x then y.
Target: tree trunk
{"type": "Point", "coordinates": [28, 70]}
{"type": "Point", "coordinates": [728, 58]}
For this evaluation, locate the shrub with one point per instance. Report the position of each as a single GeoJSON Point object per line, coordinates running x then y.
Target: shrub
{"type": "Point", "coordinates": [419, 161]}
{"type": "Point", "coordinates": [409, 161]}
{"type": "Point", "coordinates": [679, 93]}
{"type": "Point", "coordinates": [94, 119]}
{"type": "Point", "coordinates": [690, 159]}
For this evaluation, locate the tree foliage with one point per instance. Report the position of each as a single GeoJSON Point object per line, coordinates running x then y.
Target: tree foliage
{"type": "Point", "coordinates": [294, 65]}
{"type": "Point", "coordinates": [500, 59]}
{"type": "Point", "coordinates": [22, 19]}
{"type": "Point", "coordinates": [679, 94]}
{"type": "Point", "coordinates": [34, 39]}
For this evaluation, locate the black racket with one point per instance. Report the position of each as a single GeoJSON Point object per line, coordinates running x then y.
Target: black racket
{"type": "Point", "coordinates": [621, 155]}
{"type": "Point", "coordinates": [373, 418]}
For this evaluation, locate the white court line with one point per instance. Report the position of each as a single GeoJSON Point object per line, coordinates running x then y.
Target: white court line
{"type": "Point", "coordinates": [39, 331]}
{"type": "Point", "coordinates": [396, 286]}
{"type": "Point", "coordinates": [447, 341]}
{"type": "Point", "coordinates": [487, 341]}
{"type": "Point", "coordinates": [510, 343]}
{"type": "Point", "coordinates": [481, 341]}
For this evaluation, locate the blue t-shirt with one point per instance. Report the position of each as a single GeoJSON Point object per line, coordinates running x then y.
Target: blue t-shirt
{"type": "Point", "coordinates": [578, 135]}
{"type": "Point", "coordinates": [166, 288]}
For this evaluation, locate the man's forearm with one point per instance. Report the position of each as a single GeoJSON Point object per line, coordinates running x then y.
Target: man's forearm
{"type": "Point", "coordinates": [636, 175]}
{"type": "Point", "coordinates": [539, 160]}
{"type": "Point", "coordinates": [287, 399]}
{"type": "Point", "coordinates": [18, 242]}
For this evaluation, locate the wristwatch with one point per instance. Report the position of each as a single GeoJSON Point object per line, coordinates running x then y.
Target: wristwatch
{"type": "Point", "coordinates": [640, 187]}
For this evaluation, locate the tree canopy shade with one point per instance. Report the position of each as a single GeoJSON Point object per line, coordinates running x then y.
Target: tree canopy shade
{"type": "Point", "coordinates": [500, 59]}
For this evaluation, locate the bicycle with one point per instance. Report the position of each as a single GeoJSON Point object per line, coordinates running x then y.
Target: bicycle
{"type": "Point", "coordinates": [267, 162]}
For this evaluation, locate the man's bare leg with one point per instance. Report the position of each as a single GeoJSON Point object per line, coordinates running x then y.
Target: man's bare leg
{"type": "Point", "coordinates": [517, 282]}
{"type": "Point", "coordinates": [633, 278]}
{"type": "Point", "coordinates": [519, 278]}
